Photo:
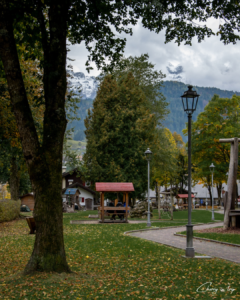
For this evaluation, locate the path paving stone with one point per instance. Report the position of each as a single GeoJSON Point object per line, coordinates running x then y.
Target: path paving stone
{"type": "Point", "coordinates": [167, 237]}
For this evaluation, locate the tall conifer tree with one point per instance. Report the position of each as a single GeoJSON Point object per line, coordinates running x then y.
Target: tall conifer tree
{"type": "Point", "coordinates": [118, 130]}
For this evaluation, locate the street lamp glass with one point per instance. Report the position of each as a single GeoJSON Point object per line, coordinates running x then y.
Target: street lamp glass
{"type": "Point", "coordinates": [190, 100]}
{"type": "Point", "coordinates": [148, 154]}
{"type": "Point", "coordinates": [212, 168]}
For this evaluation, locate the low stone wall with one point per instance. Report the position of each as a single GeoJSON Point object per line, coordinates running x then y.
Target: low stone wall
{"type": "Point", "coordinates": [9, 210]}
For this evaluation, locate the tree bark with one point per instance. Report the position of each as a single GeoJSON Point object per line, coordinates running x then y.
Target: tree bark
{"type": "Point", "coordinates": [44, 160]}
{"type": "Point", "coordinates": [232, 177]}
{"type": "Point", "coordinates": [210, 194]}
{"type": "Point", "coordinates": [159, 200]}
{"type": "Point", "coordinates": [171, 196]}
{"type": "Point", "coordinates": [219, 191]}
{"type": "Point", "coordinates": [14, 180]}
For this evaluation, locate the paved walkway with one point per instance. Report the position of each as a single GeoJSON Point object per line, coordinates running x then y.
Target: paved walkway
{"type": "Point", "coordinates": [167, 237]}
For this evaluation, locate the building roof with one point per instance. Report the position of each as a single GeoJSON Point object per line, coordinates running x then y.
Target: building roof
{"type": "Point", "coordinates": [75, 170]}
{"type": "Point", "coordinates": [79, 186]}
{"type": "Point", "coordinates": [114, 187]}
{"type": "Point", "coordinates": [184, 196]}
{"type": "Point", "coordinates": [25, 195]}
{"type": "Point", "coordinates": [71, 191]}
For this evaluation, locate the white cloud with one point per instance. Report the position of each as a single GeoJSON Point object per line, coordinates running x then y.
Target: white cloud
{"type": "Point", "coordinates": [209, 63]}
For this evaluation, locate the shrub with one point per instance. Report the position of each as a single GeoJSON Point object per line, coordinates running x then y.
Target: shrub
{"type": "Point", "coordinates": [9, 210]}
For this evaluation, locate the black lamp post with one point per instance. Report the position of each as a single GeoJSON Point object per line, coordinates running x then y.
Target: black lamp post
{"type": "Point", "coordinates": [189, 101]}
{"type": "Point", "coordinates": [148, 155]}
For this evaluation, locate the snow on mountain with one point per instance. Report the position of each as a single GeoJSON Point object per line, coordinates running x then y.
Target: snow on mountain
{"type": "Point", "coordinates": [88, 84]}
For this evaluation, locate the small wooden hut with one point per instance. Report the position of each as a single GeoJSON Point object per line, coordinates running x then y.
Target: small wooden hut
{"type": "Point", "coordinates": [114, 187]}
{"type": "Point", "coordinates": [28, 199]}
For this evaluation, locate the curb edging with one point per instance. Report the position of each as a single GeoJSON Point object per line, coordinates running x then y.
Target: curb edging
{"type": "Point", "coordinates": [209, 240]}
{"type": "Point", "coordinates": [159, 228]}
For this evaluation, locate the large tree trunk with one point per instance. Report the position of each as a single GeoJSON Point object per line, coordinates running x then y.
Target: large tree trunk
{"type": "Point", "coordinates": [14, 180]}
{"type": "Point", "coordinates": [44, 160]}
{"type": "Point", "coordinates": [48, 253]}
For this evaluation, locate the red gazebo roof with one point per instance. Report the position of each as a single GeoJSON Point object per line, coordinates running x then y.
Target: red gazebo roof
{"type": "Point", "coordinates": [184, 196]}
{"type": "Point", "coordinates": [114, 187]}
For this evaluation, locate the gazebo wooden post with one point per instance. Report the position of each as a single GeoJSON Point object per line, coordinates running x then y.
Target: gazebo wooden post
{"type": "Point", "coordinates": [126, 206]}
{"type": "Point", "coordinates": [102, 206]}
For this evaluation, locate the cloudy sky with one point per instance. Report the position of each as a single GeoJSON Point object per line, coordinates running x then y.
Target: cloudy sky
{"type": "Point", "coordinates": [208, 64]}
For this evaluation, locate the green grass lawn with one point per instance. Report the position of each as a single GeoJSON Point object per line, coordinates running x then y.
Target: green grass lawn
{"type": "Point", "coordinates": [198, 216]}
{"type": "Point", "coordinates": [110, 265]}
{"type": "Point", "coordinates": [228, 238]}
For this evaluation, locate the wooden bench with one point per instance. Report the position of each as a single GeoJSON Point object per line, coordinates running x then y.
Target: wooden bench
{"type": "Point", "coordinates": [115, 211]}
{"type": "Point", "coordinates": [31, 224]}
{"type": "Point", "coordinates": [234, 212]}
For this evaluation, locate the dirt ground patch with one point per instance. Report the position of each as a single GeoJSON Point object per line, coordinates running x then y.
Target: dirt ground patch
{"type": "Point", "coordinates": [230, 230]}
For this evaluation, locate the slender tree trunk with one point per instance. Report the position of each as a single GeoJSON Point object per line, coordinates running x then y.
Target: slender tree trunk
{"type": "Point", "coordinates": [159, 200]}
{"type": "Point", "coordinates": [14, 180]}
{"type": "Point", "coordinates": [236, 198]}
{"type": "Point", "coordinates": [219, 191]}
{"type": "Point", "coordinates": [210, 194]}
{"type": "Point", "coordinates": [233, 165]}
{"type": "Point", "coordinates": [171, 196]}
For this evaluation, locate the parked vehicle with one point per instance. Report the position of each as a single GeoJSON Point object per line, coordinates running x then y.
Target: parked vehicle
{"type": "Point", "coordinates": [25, 208]}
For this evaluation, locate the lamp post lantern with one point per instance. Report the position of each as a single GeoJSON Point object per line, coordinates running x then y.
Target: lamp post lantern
{"type": "Point", "coordinates": [189, 101]}
{"type": "Point", "coordinates": [212, 171]}
{"type": "Point", "coordinates": [148, 155]}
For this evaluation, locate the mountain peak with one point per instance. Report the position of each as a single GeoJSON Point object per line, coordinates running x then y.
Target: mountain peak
{"type": "Point", "coordinates": [88, 84]}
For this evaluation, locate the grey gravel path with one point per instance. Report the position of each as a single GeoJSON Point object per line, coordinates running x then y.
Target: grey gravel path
{"type": "Point", "coordinates": [167, 237]}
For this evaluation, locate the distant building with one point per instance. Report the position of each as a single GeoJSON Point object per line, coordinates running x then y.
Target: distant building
{"type": "Point", "coordinates": [28, 199]}
{"type": "Point", "coordinates": [71, 180]}
{"type": "Point", "coordinates": [200, 192]}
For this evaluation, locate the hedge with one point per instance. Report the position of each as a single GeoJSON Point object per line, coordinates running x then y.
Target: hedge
{"type": "Point", "coordinates": [9, 210]}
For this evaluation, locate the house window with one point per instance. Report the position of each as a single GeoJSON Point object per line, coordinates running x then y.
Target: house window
{"type": "Point", "coordinates": [82, 200]}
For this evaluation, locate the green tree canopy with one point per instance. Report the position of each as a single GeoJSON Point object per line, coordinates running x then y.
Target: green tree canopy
{"type": "Point", "coordinates": [150, 81]}
{"type": "Point", "coordinates": [220, 119]}
{"type": "Point", "coordinates": [164, 156]}
{"type": "Point", "coordinates": [118, 132]}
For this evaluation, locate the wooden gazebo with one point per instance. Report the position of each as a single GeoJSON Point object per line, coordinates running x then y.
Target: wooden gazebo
{"type": "Point", "coordinates": [114, 187]}
{"type": "Point", "coordinates": [184, 196]}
